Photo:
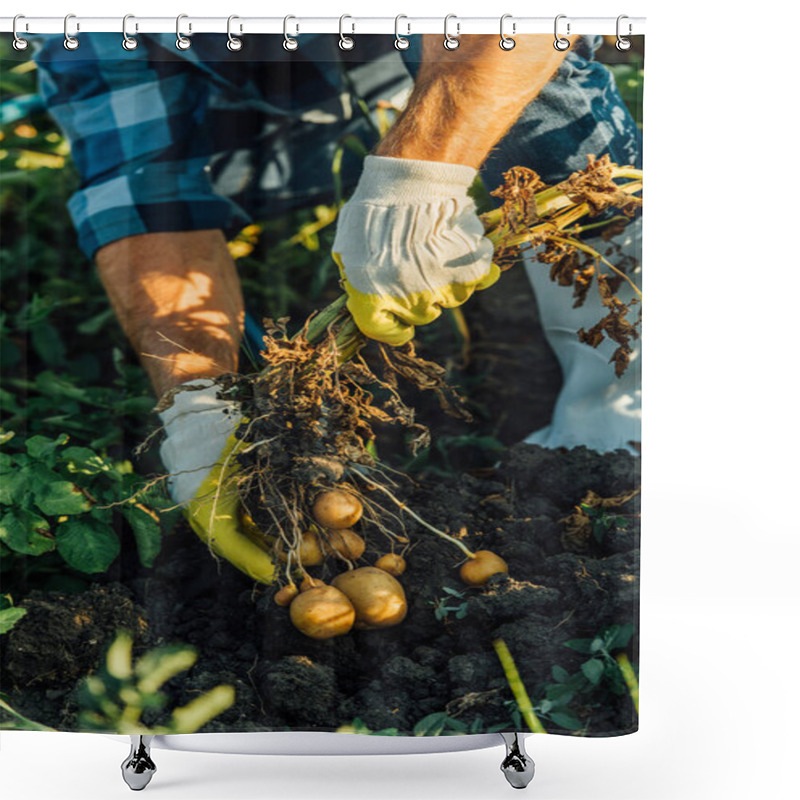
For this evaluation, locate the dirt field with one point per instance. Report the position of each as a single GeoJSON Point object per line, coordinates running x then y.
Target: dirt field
{"type": "Point", "coordinates": [512, 501]}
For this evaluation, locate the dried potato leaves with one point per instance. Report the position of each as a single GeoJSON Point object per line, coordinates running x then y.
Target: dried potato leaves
{"type": "Point", "coordinates": [614, 325]}
{"type": "Point", "coordinates": [579, 525]}
{"type": "Point", "coordinates": [518, 194]}
{"type": "Point", "coordinates": [594, 500]}
{"type": "Point", "coordinates": [570, 264]}
{"type": "Point", "coordinates": [518, 211]}
{"type": "Point", "coordinates": [595, 186]}
{"type": "Point", "coordinates": [569, 267]}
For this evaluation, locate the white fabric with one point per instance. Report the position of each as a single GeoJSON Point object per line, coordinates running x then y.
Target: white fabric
{"type": "Point", "coordinates": [410, 227]}
{"type": "Point", "coordinates": [594, 408]}
{"type": "Point", "coordinates": [197, 426]}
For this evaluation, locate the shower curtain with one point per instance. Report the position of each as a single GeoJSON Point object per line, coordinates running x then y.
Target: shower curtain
{"type": "Point", "coordinates": [389, 487]}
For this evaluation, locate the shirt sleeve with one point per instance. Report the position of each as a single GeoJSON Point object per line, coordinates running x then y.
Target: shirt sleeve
{"type": "Point", "coordinates": [135, 124]}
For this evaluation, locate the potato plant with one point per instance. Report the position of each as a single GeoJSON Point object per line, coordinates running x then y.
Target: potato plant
{"type": "Point", "coordinates": [72, 502]}
{"type": "Point", "coordinates": [307, 463]}
{"type": "Point", "coordinates": [115, 698]}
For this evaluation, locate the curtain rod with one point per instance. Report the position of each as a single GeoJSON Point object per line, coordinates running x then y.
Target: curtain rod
{"type": "Point", "coordinates": [406, 25]}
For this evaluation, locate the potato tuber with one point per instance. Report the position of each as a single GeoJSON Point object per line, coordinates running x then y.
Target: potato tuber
{"type": "Point", "coordinates": [378, 598]}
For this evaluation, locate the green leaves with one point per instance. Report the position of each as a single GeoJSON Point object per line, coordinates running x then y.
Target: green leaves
{"type": "Point", "coordinates": [11, 482]}
{"type": "Point", "coordinates": [27, 482]}
{"type": "Point", "coordinates": [566, 720]}
{"type": "Point", "coordinates": [43, 448]}
{"type": "Point", "coordinates": [593, 670]}
{"type": "Point", "coordinates": [87, 544]}
{"type": "Point", "coordinates": [9, 617]}
{"type": "Point", "coordinates": [9, 614]}
{"type": "Point", "coordinates": [359, 726]}
{"type": "Point", "coordinates": [617, 636]}
{"type": "Point", "coordinates": [443, 606]}
{"type": "Point", "coordinates": [147, 531]}
{"type": "Point", "coordinates": [629, 78]}
{"type": "Point", "coordinates": [612, 638]}
{"type": "Point", "coordinates": [70, 387]}
{"type": "Point", "coordinates": [598, 677]}
{"type": "Point", "coordinates": [59, 497]}
{"type": "Point", "coordinates": [26, 532]}
{"type": "Point", "coordinates": [114, 697]}
{"type": "Point", "coordinates": [436, 724]}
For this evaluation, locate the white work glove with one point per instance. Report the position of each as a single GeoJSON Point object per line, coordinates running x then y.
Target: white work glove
{"type": "Point", "coordinates": [197, 426]}
{"type": "Point", "coordinates": [409, 243]}
{"type": "Point", "coordinates": [594, 407]}
{"type": "Point", "coordinates": [199, 453]}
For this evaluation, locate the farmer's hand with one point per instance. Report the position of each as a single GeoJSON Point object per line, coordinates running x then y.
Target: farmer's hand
{"type": "Point", "coordinates": [409, 243]}
{"type": "Point", "coordinates": [199, 454]}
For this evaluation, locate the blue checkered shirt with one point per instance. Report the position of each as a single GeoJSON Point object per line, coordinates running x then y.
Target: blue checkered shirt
{"type": "Point", "coordinates": [168, 140]}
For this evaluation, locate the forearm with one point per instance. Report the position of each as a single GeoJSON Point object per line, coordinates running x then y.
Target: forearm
{"type": "Point", "coordinates": [465, 100]}
{"type": "Point", "coordinates": [179, 301]}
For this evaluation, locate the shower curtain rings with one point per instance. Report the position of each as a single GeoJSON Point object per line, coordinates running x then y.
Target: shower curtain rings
{"type": "Point", "coordinates": [506, 42]}
{"type": "Point", "coordinates": [623, 43]}
{"type": "Point", "coordinates": [233, 44]}
{"type": "Point", "coordinates": [128, 42]}
{"type": "Point", "coordinates": [289, 43]}
{"type": "Point", "coordinates": [346, 42]}
{"type": "Point", "coordinates": [70, 42]}
{"type": "Point", "coordinates": [182, 43]}
{"type": "Point", "coordinates": [19, 43]}
{"type": "Point", "coordinates": [451, 42]}
{"type": "Point", "coordinates": [400, 42]}
{"type": "Point", "coordinates": [561, 43]}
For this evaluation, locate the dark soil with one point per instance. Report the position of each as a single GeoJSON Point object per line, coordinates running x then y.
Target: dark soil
{"type": "Point", "coordinates": [557, 589]}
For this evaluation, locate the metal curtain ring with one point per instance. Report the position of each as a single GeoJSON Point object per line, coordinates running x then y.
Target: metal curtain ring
{"type": "Point", "coordinates": [451, 42]}
{"type": "Point", "coordinates": [561, 43]}
{"type": "Point", "coordinates": [623, 43]}
{"type": "Point", "coordinates": [182, 43]}
{"type": "Point", "coordinates": [506, 42]}
{"type": "Point", "coordinates": [128, 42]}
{"type": "Point", "coordinates": [70, 42]}
{"type": "Point", "coordinates": [233, 44]}
{"type": "Point", "coordinates": [19, 43]}
{"type": "Point", "coordinates": [289, 43]}
{"type": "Point", "coordinates": [346, 42]}
{"type": "Point", "coordinates": [400, 42]}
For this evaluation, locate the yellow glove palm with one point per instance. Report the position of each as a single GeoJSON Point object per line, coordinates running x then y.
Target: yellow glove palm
{"type": "Point", "coordinates": [214, 514]}
{"type": "Point", "coordinates": [392, 319]}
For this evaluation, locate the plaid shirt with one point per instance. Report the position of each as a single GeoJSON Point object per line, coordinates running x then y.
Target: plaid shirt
{"type": "Point", "coordinates": [203, 138]}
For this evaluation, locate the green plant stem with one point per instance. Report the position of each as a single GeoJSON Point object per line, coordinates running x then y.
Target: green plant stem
{"type": "Point", "coordinates": [319, 323]}
{"type": "Point", "coordinates": [630, 679]}
{"type": "Point", "coordinates": [349, 339]}
{"type": "Point", "coordinates": [517, 686]}
{"type": "Point", "coordinates": [501, 235]}
{"type": "Point", "coordinates": [553, 198]}
{"type": "Point", "coordinates": [592, 225]}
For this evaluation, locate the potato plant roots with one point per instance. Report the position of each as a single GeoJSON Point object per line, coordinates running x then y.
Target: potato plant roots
{"type": "Point", "coordinates": [310, 417]}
